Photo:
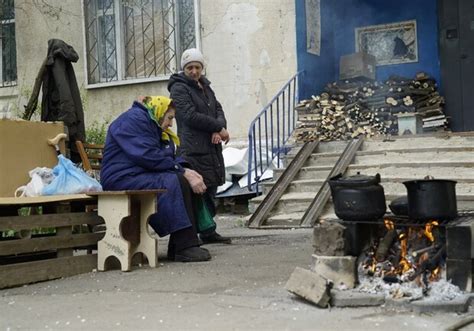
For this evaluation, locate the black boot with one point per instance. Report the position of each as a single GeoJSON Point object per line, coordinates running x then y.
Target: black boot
{"type": "Point", "coordinates": [192, 254]}
{"type": "Point", "coordinates": [170, 255]}
{"type": "Point", "coordinates": [214, 238]}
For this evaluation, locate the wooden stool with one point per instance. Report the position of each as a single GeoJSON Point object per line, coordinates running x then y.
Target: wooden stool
{"type": "Point", "coordinates": [126, 215]}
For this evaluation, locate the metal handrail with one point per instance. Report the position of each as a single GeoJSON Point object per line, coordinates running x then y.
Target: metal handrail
{"type": "Point", "coordinates": [277, 129]}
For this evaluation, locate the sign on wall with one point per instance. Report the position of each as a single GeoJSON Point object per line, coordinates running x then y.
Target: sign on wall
{"type": "Point", "coordinates": [390, 43]}
{"type": "Point", "coordinates": [313, 26]}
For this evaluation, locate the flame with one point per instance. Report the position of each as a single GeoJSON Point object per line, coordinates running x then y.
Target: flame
{"type": "Point", "coordinates": [404, 264]}
{"type": "Point", "coordinates": [429, 230]}
{"type": "Point", "coordinates": [411, 255]}
{"type": "Point", "coordinates": [389, 225]}
{"type": "Point", "coordinates": [435, 274]}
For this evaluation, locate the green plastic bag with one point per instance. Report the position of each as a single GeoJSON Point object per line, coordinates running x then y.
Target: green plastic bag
{"type": "Point", "coordinates": [204, 218]}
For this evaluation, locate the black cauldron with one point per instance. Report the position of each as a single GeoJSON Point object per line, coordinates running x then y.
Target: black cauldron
{"type": "Point", "coordinates": [358, 197]}
{"type": "Point", "coordinates": [399, 206]}
{"type": "Point", "coordinates": [431, 199]}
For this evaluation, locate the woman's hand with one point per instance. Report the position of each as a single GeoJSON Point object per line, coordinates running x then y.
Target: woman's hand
{"type": "Point", "coordinates": [195, 180]}
{"type": "Point", "coordinates": [224, 134]}
{"type": "Point", "coordinates": [216, 138]}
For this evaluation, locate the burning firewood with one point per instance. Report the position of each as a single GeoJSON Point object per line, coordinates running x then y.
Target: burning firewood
{"type": "Point", "coordinates": [430, 263]}
{"type": "Point", "coordinates": [387, 241]}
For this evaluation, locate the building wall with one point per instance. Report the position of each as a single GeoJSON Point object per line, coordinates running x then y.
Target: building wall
{"type": "Point", "coordinates": [339, 20]}
{"type": "Point", "coordinates": [317, 69]}
{"type": "Point", "coordinates": [249, 47]}
{"type": "Point", "coordinates": [251, 51]}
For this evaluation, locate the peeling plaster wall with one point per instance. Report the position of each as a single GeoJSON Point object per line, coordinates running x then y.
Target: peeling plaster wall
{"type": "Point", "coordinates": [249, 47]}
{"type": "Point", "coordinates": [35, 23]}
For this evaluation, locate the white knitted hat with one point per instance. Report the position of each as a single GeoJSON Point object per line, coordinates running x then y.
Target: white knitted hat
{"type": "Point", "coordinates": [191, 55]}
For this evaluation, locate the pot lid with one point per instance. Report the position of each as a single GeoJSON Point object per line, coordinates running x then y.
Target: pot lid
{"type": "Point", "coordinates": [359, 179]}
{"type": "Point", "coordinates": [421, 181]}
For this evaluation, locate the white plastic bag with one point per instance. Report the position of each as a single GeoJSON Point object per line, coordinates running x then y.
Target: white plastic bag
{"type": "Point", "coordinates": [40, 177]}
{"type": "Point", "coordinates": [235, 161]}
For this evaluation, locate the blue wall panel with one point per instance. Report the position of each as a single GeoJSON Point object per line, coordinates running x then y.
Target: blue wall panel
{"type": "Point", "coordinates": [339, 18]}
{"type": "Point", "coordinates": [318, 70]}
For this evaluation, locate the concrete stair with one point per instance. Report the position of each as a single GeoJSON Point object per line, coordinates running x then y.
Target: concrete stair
{"type": "Point", "coordinates": [397, 160]}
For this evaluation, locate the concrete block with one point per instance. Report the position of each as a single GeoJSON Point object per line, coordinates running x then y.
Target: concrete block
{"type": "Point", "coordinates": [330, 239]}
{"type": "Point", "coordinates": [460, 273]}
{"type": "Point", "coordinates": [355, 299]}
{"type": "Point", "coordinates": [459, 305]}
{"type": "Point", "coordinates": [340, 270]}
{"type": "Point", "coordinates": [310, 286]}
{"type": "Point", "coordinates": [459, 240]}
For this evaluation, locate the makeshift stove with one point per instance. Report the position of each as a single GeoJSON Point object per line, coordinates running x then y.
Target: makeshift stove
{"type": "Point", "coordinates": [414, 254]}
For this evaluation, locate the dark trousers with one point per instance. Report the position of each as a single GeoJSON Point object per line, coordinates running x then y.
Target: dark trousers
{"type": "Point", "coordinates": [187, 237]}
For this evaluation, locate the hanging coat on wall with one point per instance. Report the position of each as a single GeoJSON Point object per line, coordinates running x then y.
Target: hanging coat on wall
{"type": "Point", "coordinates": [61, 96]}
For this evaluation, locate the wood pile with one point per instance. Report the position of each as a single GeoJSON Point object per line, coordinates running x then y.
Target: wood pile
{"type": "Point", "coordinates": [349, 109]}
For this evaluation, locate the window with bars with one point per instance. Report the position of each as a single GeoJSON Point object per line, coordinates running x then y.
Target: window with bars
{"type": "Point", "coordinates": [8, 73]}
{"type": "Point", "coordinates": [136, 39]}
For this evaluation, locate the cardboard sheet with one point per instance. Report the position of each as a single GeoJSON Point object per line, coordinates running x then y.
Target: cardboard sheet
{"type": "Point", "coordinates": [23, 147]}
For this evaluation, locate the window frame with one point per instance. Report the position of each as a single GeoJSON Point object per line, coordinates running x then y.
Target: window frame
{"type": "Point", "coordinates": [3, 22]}
{"type": "Point", "coordinates": [120, 47]}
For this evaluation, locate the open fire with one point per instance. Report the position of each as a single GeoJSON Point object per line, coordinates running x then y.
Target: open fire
{"type": "Point", "coordinates": [407, 254]}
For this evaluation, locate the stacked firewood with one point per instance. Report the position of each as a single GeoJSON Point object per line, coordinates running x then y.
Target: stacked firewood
{"type": "Point", "coordinates": [348, 109]}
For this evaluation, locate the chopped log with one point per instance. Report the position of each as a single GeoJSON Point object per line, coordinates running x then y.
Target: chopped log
{"type": "Point", "coordinates": [385, 244]}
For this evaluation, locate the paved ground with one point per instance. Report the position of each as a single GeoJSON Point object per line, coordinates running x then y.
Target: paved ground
{"type": "Point", "coordinates": [242, 288]}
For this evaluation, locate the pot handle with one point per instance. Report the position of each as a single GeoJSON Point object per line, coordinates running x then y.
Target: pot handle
{"type": "Point", "coordinates": [338, 176]}
{"type": "Point", "coordinates": [377, 178]}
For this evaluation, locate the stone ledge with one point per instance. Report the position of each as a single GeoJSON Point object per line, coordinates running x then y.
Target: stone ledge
{"type": "Point", "coordinates": [355, 299]}
{"type": "Point", "coordinates": [458, 305]}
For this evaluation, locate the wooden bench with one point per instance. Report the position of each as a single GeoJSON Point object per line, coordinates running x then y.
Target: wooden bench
{"type": "Point", "coordinates": [91, 155]}
{"type": "Point", "coordinates": [126, 215]}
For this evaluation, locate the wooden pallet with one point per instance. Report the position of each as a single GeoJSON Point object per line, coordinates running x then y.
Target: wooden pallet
{"type": "Point", "coordinates": [34, 258]}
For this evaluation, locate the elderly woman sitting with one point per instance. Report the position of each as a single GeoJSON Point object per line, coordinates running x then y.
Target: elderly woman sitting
{"type": "Point", "coordinates": [140, 154]}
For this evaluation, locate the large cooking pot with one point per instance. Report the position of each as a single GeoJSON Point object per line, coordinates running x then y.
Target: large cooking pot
{"type": "Point", "coordinates": [358, 197]}
{"type": "Point", "coordinates": [431, 199]}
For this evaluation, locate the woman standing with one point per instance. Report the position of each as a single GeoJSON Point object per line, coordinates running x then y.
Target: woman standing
{"type": "Point", "coordinates": [139, 154]}
{"type": "Point", "coordinates": [201, 128]}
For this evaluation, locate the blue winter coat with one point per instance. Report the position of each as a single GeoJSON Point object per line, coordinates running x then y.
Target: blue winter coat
{"type": "Point", "coordinates": [135, 158]}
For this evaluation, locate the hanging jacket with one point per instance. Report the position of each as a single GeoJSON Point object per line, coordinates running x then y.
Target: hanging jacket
{"type": "Point", "coordinates": [61, 96]}
{"type": "Point", "coordinates": [198, 115]}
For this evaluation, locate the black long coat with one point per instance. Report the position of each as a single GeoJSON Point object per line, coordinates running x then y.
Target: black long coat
{"type": "Point", "coordinates": [61, 96]}
{"type": "Point", "coordinates": [198, 115]}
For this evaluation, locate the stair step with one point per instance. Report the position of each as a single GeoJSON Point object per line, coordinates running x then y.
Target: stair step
{"type": "Point", "coordinates": [294, 218]}
{"type": "Point", "coordinates": [440, 170]}
{"type": "Point", "coordinates": [391, 185]}
{"type": "Point", "coordinates": [414, 142]}
{"type": "Point", "coordinates": [401, 169]}
{"type": "Point", "coordinates": [399, 156]}
{"type": "Point", "coordinates": [415, 156]}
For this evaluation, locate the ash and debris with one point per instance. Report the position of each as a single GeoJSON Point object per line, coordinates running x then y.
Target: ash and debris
{"type": "Point", "coordinates": [441, 290]}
